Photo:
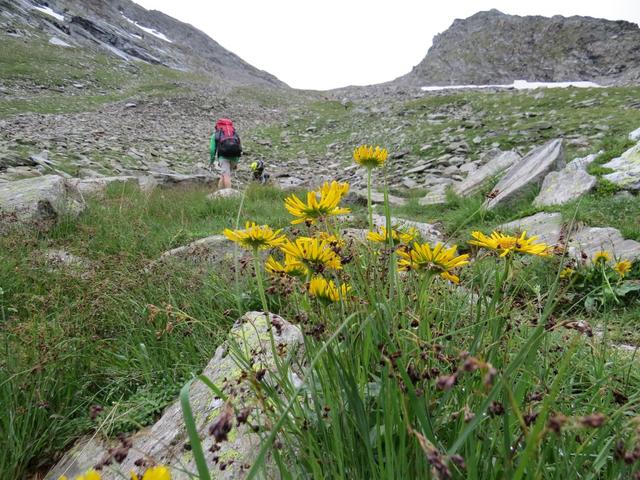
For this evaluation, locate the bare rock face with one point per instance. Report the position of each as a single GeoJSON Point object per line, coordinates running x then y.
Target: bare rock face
{"type": "Point", "coordinates": [548, 227]}
{"type": "Point", "coordinates": [38, 201]}
{"type": "Point", "coordinates": [164, 442]}
{"type": "Point", "coordinates": [528, 172]}
{"type": "Point", "coordinates": [494, 167]}
{"type": "Point", "coordinates": [494, 48]}
{"type": "Point", "coordinates": [589, 240]}
{"type": "Point", "coordinates": [627, 169]}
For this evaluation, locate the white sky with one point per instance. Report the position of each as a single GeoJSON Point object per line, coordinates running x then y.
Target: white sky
{"type": "Point", "coordinates": [334, 43]}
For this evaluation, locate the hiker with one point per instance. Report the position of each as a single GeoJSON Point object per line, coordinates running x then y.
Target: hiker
{"type": "Point", "coordinates": [226, 148]}
{"type": "Point", "coordinates": [259, 175]}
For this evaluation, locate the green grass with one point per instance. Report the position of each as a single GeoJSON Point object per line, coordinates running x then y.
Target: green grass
{"type": "Point", "coordinates": [120, 337]}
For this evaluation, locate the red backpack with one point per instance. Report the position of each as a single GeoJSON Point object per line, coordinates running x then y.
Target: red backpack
{"type": "Point", "coordinates": [227, 139]}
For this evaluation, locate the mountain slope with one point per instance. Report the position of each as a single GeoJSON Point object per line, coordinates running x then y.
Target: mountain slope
{"type": "Point", "coordinates": [126, 30]}
{"type": "Point", "coordinates": [492, 47]}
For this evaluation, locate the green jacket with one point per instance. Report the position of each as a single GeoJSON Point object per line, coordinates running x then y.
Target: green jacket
{"type": "Point", "coordinates": [213, 150]}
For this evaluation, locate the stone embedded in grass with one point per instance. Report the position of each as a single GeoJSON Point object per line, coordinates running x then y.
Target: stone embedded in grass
{"type": "Point", "coordinates": [98, 186]}
{"type": "Point", "coordinates": [429, 233]}
{"type": "Point", "coordinates": [564, 186]}
{"type": "Point", "coordinates": [38, 202]}
{"type": "Point", "coordinates": [499, 163]}
{"type": "Point", "coordinates": [224, 193]}
{"type": "Point", "coordinates": [548, 227]}
{"type": "Point", "coordinates": [164, 442]}
{"type": "Point", "coordinates": [627, 169]}
{"type": "Point", "coordinates": [584, 244]}
{"type": "Point", "coordinates": [529, 171]}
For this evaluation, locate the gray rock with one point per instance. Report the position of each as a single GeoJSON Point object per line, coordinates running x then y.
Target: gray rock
{"type": "Point", "coordinates": [476, 180]}
{"type": "Point", "coordinates": [582, 163]}
{"type": "Point", "coordinates": [212, 250]}
{"type": "Point", "coordinates": [437, 195]}
{"type": "Point", "coordinates": [627, 169]}
{"type": "Point", "coordinates": [98, 186]}
{"type": "Point", "coordinates": [547, 226]}
{"type": "Point", "coordinates": [635, 135]}
{"type": "Point", "coordinates": [58, 42]}
{"type": "Point", "coordinates": [39, 202]}
{"type": "Point", "coordinates": [174, 179]}
{"type": "Point", "coordinates": [164, 442]}
{"type": "Point", "coordinates": [419, 168]}
{"type": "Point", "coordinates": [564, 186]}
{"type": "Point", "coordinates": [290, 183]}
{"type": "Point", "coordinates": [224, 193]}
{"type": "Point", "coordinates": [527, 172]}
{"type": "Point", "coordinates": [589, 240]}
{"type": "Point", "coordinates": [429, 232]}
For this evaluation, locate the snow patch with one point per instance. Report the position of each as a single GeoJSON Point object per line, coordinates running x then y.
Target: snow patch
{"type": "Point", "coordinates": [150, 31]}
{"type": "Point", "coordinates": [50, 12]}
{"type": "Point", "coordinates": [517, 85]}
{"type": "Point", "coordinates": [60, 43]}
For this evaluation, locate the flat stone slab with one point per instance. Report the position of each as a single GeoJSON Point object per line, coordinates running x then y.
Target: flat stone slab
{"type": "Point", "coordinates": [635, 135]}
{"type": "Point", "coordinates": [428, 232]}
{"type": "Point", "coordinates": [564, 186]}
{"type": "Point", "coordinates": [527, 172]}
{"type": "Point", "coordinates": [165, 441]}
{"type": "Point", "coordinates": [547, 226]}
{"type": "Point", "coordinates": [213, 250]}
{"type": "Point", "coordinates": [627, 169]}
{"type": "Point", "coordinates": [437, 195]}
{"type": "Point", "coordinates": [38, 201]}
{"type": "Point", "coordinates": [477, 179]}
{"type": "Point", "coordinates": [165, 179]}
{"type": "Point", "coordinates": [585, 242]}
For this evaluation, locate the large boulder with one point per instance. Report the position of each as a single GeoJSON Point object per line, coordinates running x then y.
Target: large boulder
{"type": "Point", "coordinates": [38, 202]}
{"type": "Point", "coordinates": [548, 227]}
{"type": "Point", "coordinates": [585, 242]}
{"type": "Point", "coordinates": [528, 172]}
{"type": "Point", "coordinates": [494, 167]}
{"type": "Point", "coordinates": [626, 169]}
{"type": "Point", "coordinates": [564, 186]}
{"type": "Point", "coordinates": [166, 441]}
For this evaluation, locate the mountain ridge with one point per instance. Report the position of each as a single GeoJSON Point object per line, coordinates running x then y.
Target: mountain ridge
{"type": "Point", "coordinates": [491, 47]}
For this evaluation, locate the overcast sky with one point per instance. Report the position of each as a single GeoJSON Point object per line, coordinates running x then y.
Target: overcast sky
{"type": "Point", "coordinates": [334, 43]}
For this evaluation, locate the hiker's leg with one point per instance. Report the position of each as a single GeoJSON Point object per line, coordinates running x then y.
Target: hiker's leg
{"type": "Point", "coordinates": [225, 176]}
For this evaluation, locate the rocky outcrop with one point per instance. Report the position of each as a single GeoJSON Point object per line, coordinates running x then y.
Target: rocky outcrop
{"type": "Point", "coordinates": [501, 162]}
{"type": "Point", "coordinates": [98, 186]}
{"type": "Point", "coordinates": [494, 48]}
{"type": "Point", "coordinates": [626, 169]}
{"type": "Point", "coordinates": [528, 172]}
{"type": "Point", "coordinates": [38, 202]}
{"type": "Point", "coordinates": [166, 441]}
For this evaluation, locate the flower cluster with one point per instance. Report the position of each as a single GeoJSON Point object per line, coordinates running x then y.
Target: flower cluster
{"type": "Point", "coordinates": [320, 204]}
{"type": "Point", "coordinates": [255, 237]}
{"type": "Point", "coordinates": [438, 260]}
{"type": "Point", "coordinates": [508, 244]}
{"type": "Point", "coordinates": [395, 236]}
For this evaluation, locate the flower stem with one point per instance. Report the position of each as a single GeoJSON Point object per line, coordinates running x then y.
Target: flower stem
{"type": "Point", "coordinates": [369, 207]}
{"type": "Point", "coordinates": [258, 269]}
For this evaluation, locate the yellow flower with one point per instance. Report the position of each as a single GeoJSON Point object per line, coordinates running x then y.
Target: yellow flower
{"type": "Point", "coordinates": [505, 244]}
{"type": "Point", "coordinates": [88, 475]}
{"type": "Point", "coordinates": [622, 267]}
{"type": "Point", "coordinates": [439, 260]}
{"type": "Point", "coordinates": [601, 256]}
{"type": "Point", "coordinates": [397, 236]}
{"type": "Point", "coordinates": [567, 272]}
{"type": "Point", "coordinates": [154, 473]}
{"type": "Point", "coordinates": [326, 291]}
{"type": "Point", "coordinates": [341, 187]}
{"type": "Point", "coordinates": [314, 253]}
{"type": "Point", "coordinates": [332, 239]}
{"type": "Point", "coordinates": [255, 237]}
{"type": "Point", "coordinates": [369, 157]}
{"type": "Point", "coordinates": [291, 267]}
{"type": "Point", "coordinates": [316, 208]}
